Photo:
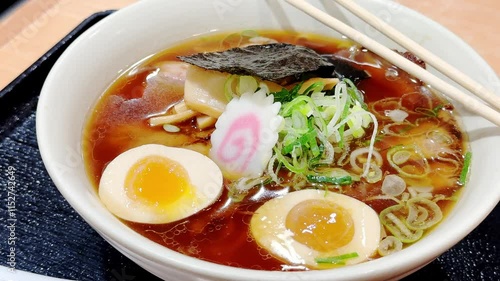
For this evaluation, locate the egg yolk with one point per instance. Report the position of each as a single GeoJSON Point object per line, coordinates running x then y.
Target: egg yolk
{"type": "Point", "coordinates": [321, 225]}
{"type": "Point", "coordinates": [158, 181]}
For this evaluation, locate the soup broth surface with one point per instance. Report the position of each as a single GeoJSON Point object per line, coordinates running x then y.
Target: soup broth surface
{"type": "Point", "coordinates": [220, 233]}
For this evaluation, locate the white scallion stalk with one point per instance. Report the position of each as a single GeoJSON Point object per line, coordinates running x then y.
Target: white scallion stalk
{"type": "Point", "coordinates": [340, 96]}
{"type": "Point", "coordinates": [389, 245]}
{"type": "Point", "coordinates": [329, 150]}
{"type": "Point", "coordinates": [372, 144]}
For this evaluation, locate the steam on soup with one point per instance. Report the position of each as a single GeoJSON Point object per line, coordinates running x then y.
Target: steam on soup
{"type": "Point", "coordinates": [276, 151]}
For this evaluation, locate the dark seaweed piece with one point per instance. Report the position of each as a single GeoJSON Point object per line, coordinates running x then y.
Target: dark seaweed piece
{"type": "Point", "coordinates": [343, 68]}
{"type": "Point", "coordinates": [281, 63]}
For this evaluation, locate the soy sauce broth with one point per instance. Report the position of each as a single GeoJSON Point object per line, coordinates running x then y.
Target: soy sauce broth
{"type": "Point", "coordinates": [220, 233]}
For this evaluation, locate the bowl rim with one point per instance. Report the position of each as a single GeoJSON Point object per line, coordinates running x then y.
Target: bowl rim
{"type": "Point", "coordinates": [205, 268]}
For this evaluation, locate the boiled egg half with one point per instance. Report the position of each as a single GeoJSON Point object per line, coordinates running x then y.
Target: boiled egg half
{"type": "Point", "coordinates": [317, 229]}
{"type": "Point", "coordinates": [159, 184]}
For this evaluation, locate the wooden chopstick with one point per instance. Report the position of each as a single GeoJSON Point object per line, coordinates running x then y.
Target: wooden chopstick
{"type": "Point", "coordinates": [452, 92]}
{"type": "Point", "coordinates": [431, 59]}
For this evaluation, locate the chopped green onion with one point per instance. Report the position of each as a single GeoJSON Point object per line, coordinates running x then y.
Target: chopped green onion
{"type": "Point", "coordinates": [345, 180]}
{"type": "Point", "coordinates": [296, 105]}
{"type": "Point", "coordinates": [389, 245]}
{"type": "Point", "coordinates": [337, 259]}
{"type": "Point", "coordinates": [236, 85]}
{"type": "Point", "coordinates": [436, 109]}
{"type": "Point", "coordinates": [422, 213]}
{"type": "Point", "coordinates": [285, 95]}
{"type": "Point", "coordinates": [414, 154]}
{"type": "Point", "coordinates": [314, 88]}
{"type": "Point", "coordinates": [316, 125]}
{"type": "Point", "coordinates": [229, 86]}
{"type": "Point", "coordinates": [430, 112]}
{"type": "Point", "coordinates": [247, 84]}
{"type": "Point", "coordinates": [355, 93]}
{"type": "Point", "coordinates": [295, 167]}
{"type": "Point", "coordinates": [392, 218]}
{"type": "Point", "coordinates": [466, 168]}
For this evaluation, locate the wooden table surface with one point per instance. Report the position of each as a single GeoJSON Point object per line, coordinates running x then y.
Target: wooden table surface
{"type": "Point", "coordinates": [32, 28]}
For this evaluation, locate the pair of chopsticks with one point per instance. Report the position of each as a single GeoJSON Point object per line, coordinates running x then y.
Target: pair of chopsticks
{"type": "Point", "coordinates": [450, 91]}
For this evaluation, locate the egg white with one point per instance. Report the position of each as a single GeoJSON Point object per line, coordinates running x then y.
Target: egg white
{"type": "Point", "coordinates": [204, 175]}
{"type": "Point", "coordinates": [268, 227]}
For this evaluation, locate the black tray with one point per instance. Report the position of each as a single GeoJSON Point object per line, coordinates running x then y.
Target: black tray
{"type": "Point", "coordinates": [52, 239]}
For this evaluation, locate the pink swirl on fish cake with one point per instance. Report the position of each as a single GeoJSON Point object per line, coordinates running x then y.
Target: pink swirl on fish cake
{"type": "Point", "coordinates": [240, 143]}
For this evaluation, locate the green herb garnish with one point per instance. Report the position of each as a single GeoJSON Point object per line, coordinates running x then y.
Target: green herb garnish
{"type": "Point", "coordinates": [436, 109]}
{"type": "Point", "coordinates": [345, 180]}
{"type": "Point", "coordinates": [315, 124]}
{"type": "Point", "coordinates": [465, 168]}
{"type": "Point", "coordinates": [340, 260]}
{"type": "Point", "coordinates": [285, 95]}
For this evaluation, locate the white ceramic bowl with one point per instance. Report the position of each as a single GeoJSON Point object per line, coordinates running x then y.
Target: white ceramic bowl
{"type": "Point", "coordinates": [97, 57]}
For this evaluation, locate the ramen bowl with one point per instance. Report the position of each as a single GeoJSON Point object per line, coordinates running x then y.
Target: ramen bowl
{"type": "Point", "coordinates": [116, 43]}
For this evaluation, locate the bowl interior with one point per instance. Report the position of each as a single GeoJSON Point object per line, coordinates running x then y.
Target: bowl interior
{"type": "Point", "coordinates": [90, 65]}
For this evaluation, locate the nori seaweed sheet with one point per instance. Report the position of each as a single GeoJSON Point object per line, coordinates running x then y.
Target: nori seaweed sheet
{"type": "Point", "coordinates": [343, 68]}
{"type": "Point", "coordinates": [281, 63]}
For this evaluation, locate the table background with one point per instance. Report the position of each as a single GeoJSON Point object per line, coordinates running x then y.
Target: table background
{"type": "Point", "coordinates": [32, 27]}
